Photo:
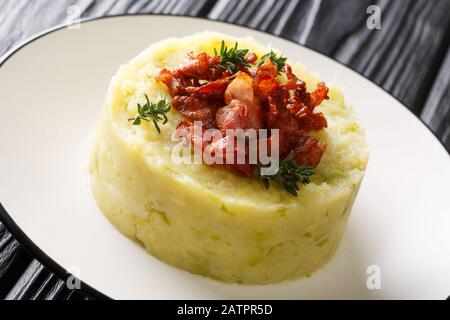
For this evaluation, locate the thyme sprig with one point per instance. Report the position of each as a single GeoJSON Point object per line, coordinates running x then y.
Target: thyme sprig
{"type": "Point", "coordinates": [280, 60]}
{"type": "Point", "coordinates": [152, 112]}
{"type": "Point", "coordinates": [232, 58]}
{"type": "Point", "coordinates": [289, 175]}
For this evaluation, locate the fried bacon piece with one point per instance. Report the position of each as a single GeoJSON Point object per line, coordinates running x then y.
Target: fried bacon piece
{"type": "Point", "coordinates": [278, 117]}
{"type": "Point", "coordinates": [176, 85]}
{"type": "Point", "coordinates": [310, 120]}
{"type": "Point", "coordinates": [223, 147]}
{"type": "Point", "coordinates": [232, 116]}
{"type": "Point", "coordinates": [202, 90]}
{"type": "Point", "coordinates": [197, 109]}
{"type": "Point", "coordinates": [212, 90]}
{"type": "Point", "coordinates": [243, 110]}
{"type": "Point", "coordinates": [308, 150]}
{"type": "Point", "coordinates": [299, 94]}
{"type": "Point", "coordinates": [265, 81]}
{"type": "Point", "coordinates": [241, 89]}
{"type": "Point", "coordinates": [201, 66]}
{"type": "Point", "coordinates": [302, 103]}
{"type": "Point", "coordinates": [194, 69]}
{"type": "Point", "coordinates": [185, 129]}
{"type": "Point", "coordinates": [294, 83]}
{"type": "Point", "coordinates": [318, 95]}
{"type": "Point", "coordinates": [251, 57]}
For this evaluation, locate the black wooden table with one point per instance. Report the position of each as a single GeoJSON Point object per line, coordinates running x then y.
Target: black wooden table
{"type": "Point", "coordinates": [409, 56]}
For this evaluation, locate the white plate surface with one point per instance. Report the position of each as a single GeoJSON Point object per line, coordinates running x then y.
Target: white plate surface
{"type": "Point", "coordinates": [51, 94]}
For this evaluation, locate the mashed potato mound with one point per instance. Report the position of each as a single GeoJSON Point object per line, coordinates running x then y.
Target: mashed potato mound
{"type": "Point", "coordinates": [211, 221]}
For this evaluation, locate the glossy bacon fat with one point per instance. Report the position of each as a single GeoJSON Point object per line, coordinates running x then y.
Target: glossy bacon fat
{"type": "Point", "coordinates": [251, 97]}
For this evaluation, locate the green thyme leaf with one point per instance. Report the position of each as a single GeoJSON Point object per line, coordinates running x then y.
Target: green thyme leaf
{"type": "Point", "coordinates": [280, 61]}
{"type": "Point", "coordinates": [152, 112]}
{"type": "Point", "coordinates": [289, 175]}
{"type": "Point", "coordinates": [232, 59]}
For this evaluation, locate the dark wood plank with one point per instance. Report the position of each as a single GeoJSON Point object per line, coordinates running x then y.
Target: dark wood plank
{"type": "Point", "coordinates": [13, 261]}
{"type": "Point", "coordinates": [436, 112]}
{"type": "Point", "coordinates": [29, 282]}
{"type": "Point", "coordinates": [21, 22]}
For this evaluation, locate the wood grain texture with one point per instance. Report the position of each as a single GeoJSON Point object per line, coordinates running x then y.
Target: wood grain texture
{"type": "Point", "coordinates": [436, 111]}
{"type": "Point", "coordinates": [409, 56]}
{"type": "Point", "coordinates": [13, 261]}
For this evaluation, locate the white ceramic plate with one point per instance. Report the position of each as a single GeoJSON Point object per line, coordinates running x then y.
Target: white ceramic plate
{"type": "Point", "coordinates": [51, 93]}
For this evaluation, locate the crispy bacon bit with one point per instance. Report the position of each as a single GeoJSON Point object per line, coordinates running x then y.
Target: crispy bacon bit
{"type": "Point", "coordinates": [299, 95]}
{"type": "Point", "coordinates": [309, 151]}
{"type": "Point", "coordinates": [196, 109]}
{"type": "Point", "coordinates": [302, 104]}
{"type": "Point", "coordinates": [318, 95]}
{"type": "Point", "coordinates": [201, 66]}
{"type": "Point", "coordinates": [243, 110]}
{"type": "Point", "coordinates": [265, 82]}
{"type": "Point", "coordinates": [222, 145]}
{"type": "Point", "coordinates": [294, 83]}
{"type": "Point", "coordinates": [310, 121]}
{"type": "Point", "coordinates": [232, 116]}
{"type": "Point", "coordinates": [212, 90]}
{"type": "Point", "coordinates": [280, 118]}
{"type": "Point", "coordinates": [250, 99]}
{"type": "Point", "coordinates": [194, 69]}
{"type": "Point", "coordinates": [173, 83]}
{"type": "Point", "coordinates": [216, 147]}
{"type": "Point", "coordinates": [185, 129]}
{"type": "Point", "coordinates": [240, 88]}
{"type": "Point", "coordinates": [251, 57]}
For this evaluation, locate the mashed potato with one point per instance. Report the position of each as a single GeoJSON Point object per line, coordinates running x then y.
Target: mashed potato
{"type": "Point", "coordinates": [211, 221]}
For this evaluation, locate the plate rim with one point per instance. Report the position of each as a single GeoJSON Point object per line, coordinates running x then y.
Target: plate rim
{"type": "Point", "coordinates": [20, 235]}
